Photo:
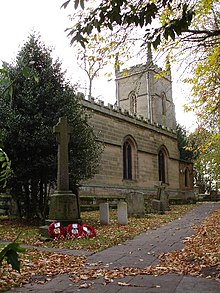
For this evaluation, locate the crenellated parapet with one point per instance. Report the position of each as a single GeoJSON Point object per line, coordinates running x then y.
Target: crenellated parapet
{"type": "Point", "coordinates": [122, 114]}
{"type": "Point", "coordinates": [140, 69]}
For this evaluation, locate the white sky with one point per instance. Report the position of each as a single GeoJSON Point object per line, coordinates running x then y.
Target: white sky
{"type": "Point", "coordinates": [20, 17]}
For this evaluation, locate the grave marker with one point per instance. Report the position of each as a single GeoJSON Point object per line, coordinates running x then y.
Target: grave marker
{"type": "Point", "coordinates": [104, 213]}
{"type": "Point", "coordinates": [122, 213]}
{"type": "Point", "coordinates": [136, 204]}
{"type": "Point", "coordinates": [162, 197]}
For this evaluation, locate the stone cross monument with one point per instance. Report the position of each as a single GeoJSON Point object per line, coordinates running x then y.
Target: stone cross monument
{"type": "Point", "coordinates": [62, 131]}
{"type": "Point", "coordinates": [63, 203]}
{"type": "Point", "coordinates": [160, 190]}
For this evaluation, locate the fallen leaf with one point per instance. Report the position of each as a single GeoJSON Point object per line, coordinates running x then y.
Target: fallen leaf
{"type": "Point", "coordinates": [124, 284]}
{"type": "Point", "coordinates": [85, 285]}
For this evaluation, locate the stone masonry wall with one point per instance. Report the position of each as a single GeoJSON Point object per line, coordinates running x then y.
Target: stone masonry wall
{"type": "Point", "coordinates": [112, 127]}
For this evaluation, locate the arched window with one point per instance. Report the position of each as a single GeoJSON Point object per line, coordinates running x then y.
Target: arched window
{"type": "Point", "coordinates": [161, 161]}
{"type": "Point", "coordinates": [162, 165]}
{"type": "Point", "coordinates": [163, 100]}
{"type": "Point", "coordinates": [127, 161]}
{"type": "Point", "coordinates": [133, 102]}
{"type": "Point", "coordinates": [186, 177]}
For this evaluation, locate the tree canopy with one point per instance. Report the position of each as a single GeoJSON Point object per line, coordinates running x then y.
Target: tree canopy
{"type": "Point", "coordinates": [27, 118]}
{"type": "Point", "coordinates": [207, 160]}
{"type": "Point", "coordinates": [174, 18]}
{"type": "Point", "coordinates": [94, 58]}
{"type": "Point", "coordinates": [187, 146]}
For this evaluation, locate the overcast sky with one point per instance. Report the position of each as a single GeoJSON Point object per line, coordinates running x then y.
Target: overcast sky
{"type": "Point", "coordinates": [21, 17]}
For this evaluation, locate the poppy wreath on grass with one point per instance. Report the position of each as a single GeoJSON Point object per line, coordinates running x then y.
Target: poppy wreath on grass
{"type": "Point", "coordinates": [56, 230]}
{"type": "Point", "coordinates": [88, 231]}
{"type": "Point", "coordinates": [74, 231]}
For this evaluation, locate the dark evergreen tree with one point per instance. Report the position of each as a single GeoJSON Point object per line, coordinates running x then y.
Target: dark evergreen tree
{"type": "Point", "coordinates": [187, 152]}
{"type": "Point", "coordinates": [27, 119]}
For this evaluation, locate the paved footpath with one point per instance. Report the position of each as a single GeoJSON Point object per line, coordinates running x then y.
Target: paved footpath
{"type": "Point", "coordinates": [140, 252]}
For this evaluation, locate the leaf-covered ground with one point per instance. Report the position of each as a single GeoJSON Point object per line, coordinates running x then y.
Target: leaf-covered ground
{"type": "Point", "coordinates": [199, 257]}
{"type": "Point", "coordinates": [39, 266]}
{"type": "Point", "coordinates": [201, 254]}
{"type": "Point", "coordinates": [107, 236]}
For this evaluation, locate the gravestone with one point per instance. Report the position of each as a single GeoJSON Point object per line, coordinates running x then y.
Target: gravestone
{"type": "Point", "coordinates": [122, 213]}
{"type": "Point", "coordinates": [136, 205]}
{"type": "Point", "coordinates": [104, 213]}
{"type": "Point", "coordinates": [164, 199]}
{"type": "Point", "coordinates": [8, 206]}
{"type": "Point", "coordinates": [63, 203]}
{"type": "Point", "coordinates": [161, 204]}
{"type": "Point", "coordinates": [156, 205]}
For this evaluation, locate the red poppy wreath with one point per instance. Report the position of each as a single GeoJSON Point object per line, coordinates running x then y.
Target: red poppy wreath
{"type": "Point", "coordinates": [56, 230]}
{"type": "Point", "coordinates": [88, 230]}
{"type": "Point", "coordinates": [74, 231]}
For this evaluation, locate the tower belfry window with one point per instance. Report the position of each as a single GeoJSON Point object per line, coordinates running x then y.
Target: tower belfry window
{"type": "Point", "coordinates": [163, 101]}
{"type": "Point", "coordinates": [133, 102]}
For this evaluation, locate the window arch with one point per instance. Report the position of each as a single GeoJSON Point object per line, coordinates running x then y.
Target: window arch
{"type": "Point", "coordinates": [129, 159]}
{"type": "Point", "coordinates": [163, 101]}
{"type": "Point", "coordinates": [162, 165]}
{"type": "Point", "coordinates": [186, 177]}
{"type": "Point", "coordinates": [133, 102]}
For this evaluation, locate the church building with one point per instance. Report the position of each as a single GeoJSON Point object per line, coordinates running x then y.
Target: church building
{"type": "Point", "coordinates": [139, 137]}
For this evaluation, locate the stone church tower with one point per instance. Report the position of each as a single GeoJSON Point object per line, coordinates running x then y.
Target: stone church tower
{"type": "Point", "coordinates": [145, 91]}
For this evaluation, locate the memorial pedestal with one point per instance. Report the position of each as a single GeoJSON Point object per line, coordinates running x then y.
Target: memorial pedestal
{"type": "Point", "coordinates": [63, 209]}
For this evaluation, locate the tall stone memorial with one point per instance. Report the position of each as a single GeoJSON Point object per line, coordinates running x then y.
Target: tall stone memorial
{"type": "Point", "coordinates": [63, 205]}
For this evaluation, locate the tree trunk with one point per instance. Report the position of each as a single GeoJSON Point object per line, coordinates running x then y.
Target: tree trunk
{"type": "Point", "coordinates": [90, 88]}
{"type": "Point", "coordinates": [34, 197]}
{"type": "Point", "coordinates": [27, 200]}
{"type": "Point", "coordinates": [41, 196]}
{"type": "Point", "coordinates": [45, 210]}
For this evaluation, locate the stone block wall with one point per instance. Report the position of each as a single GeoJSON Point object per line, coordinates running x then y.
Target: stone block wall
{"type": "Point", "coordinates": [112, 126]}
